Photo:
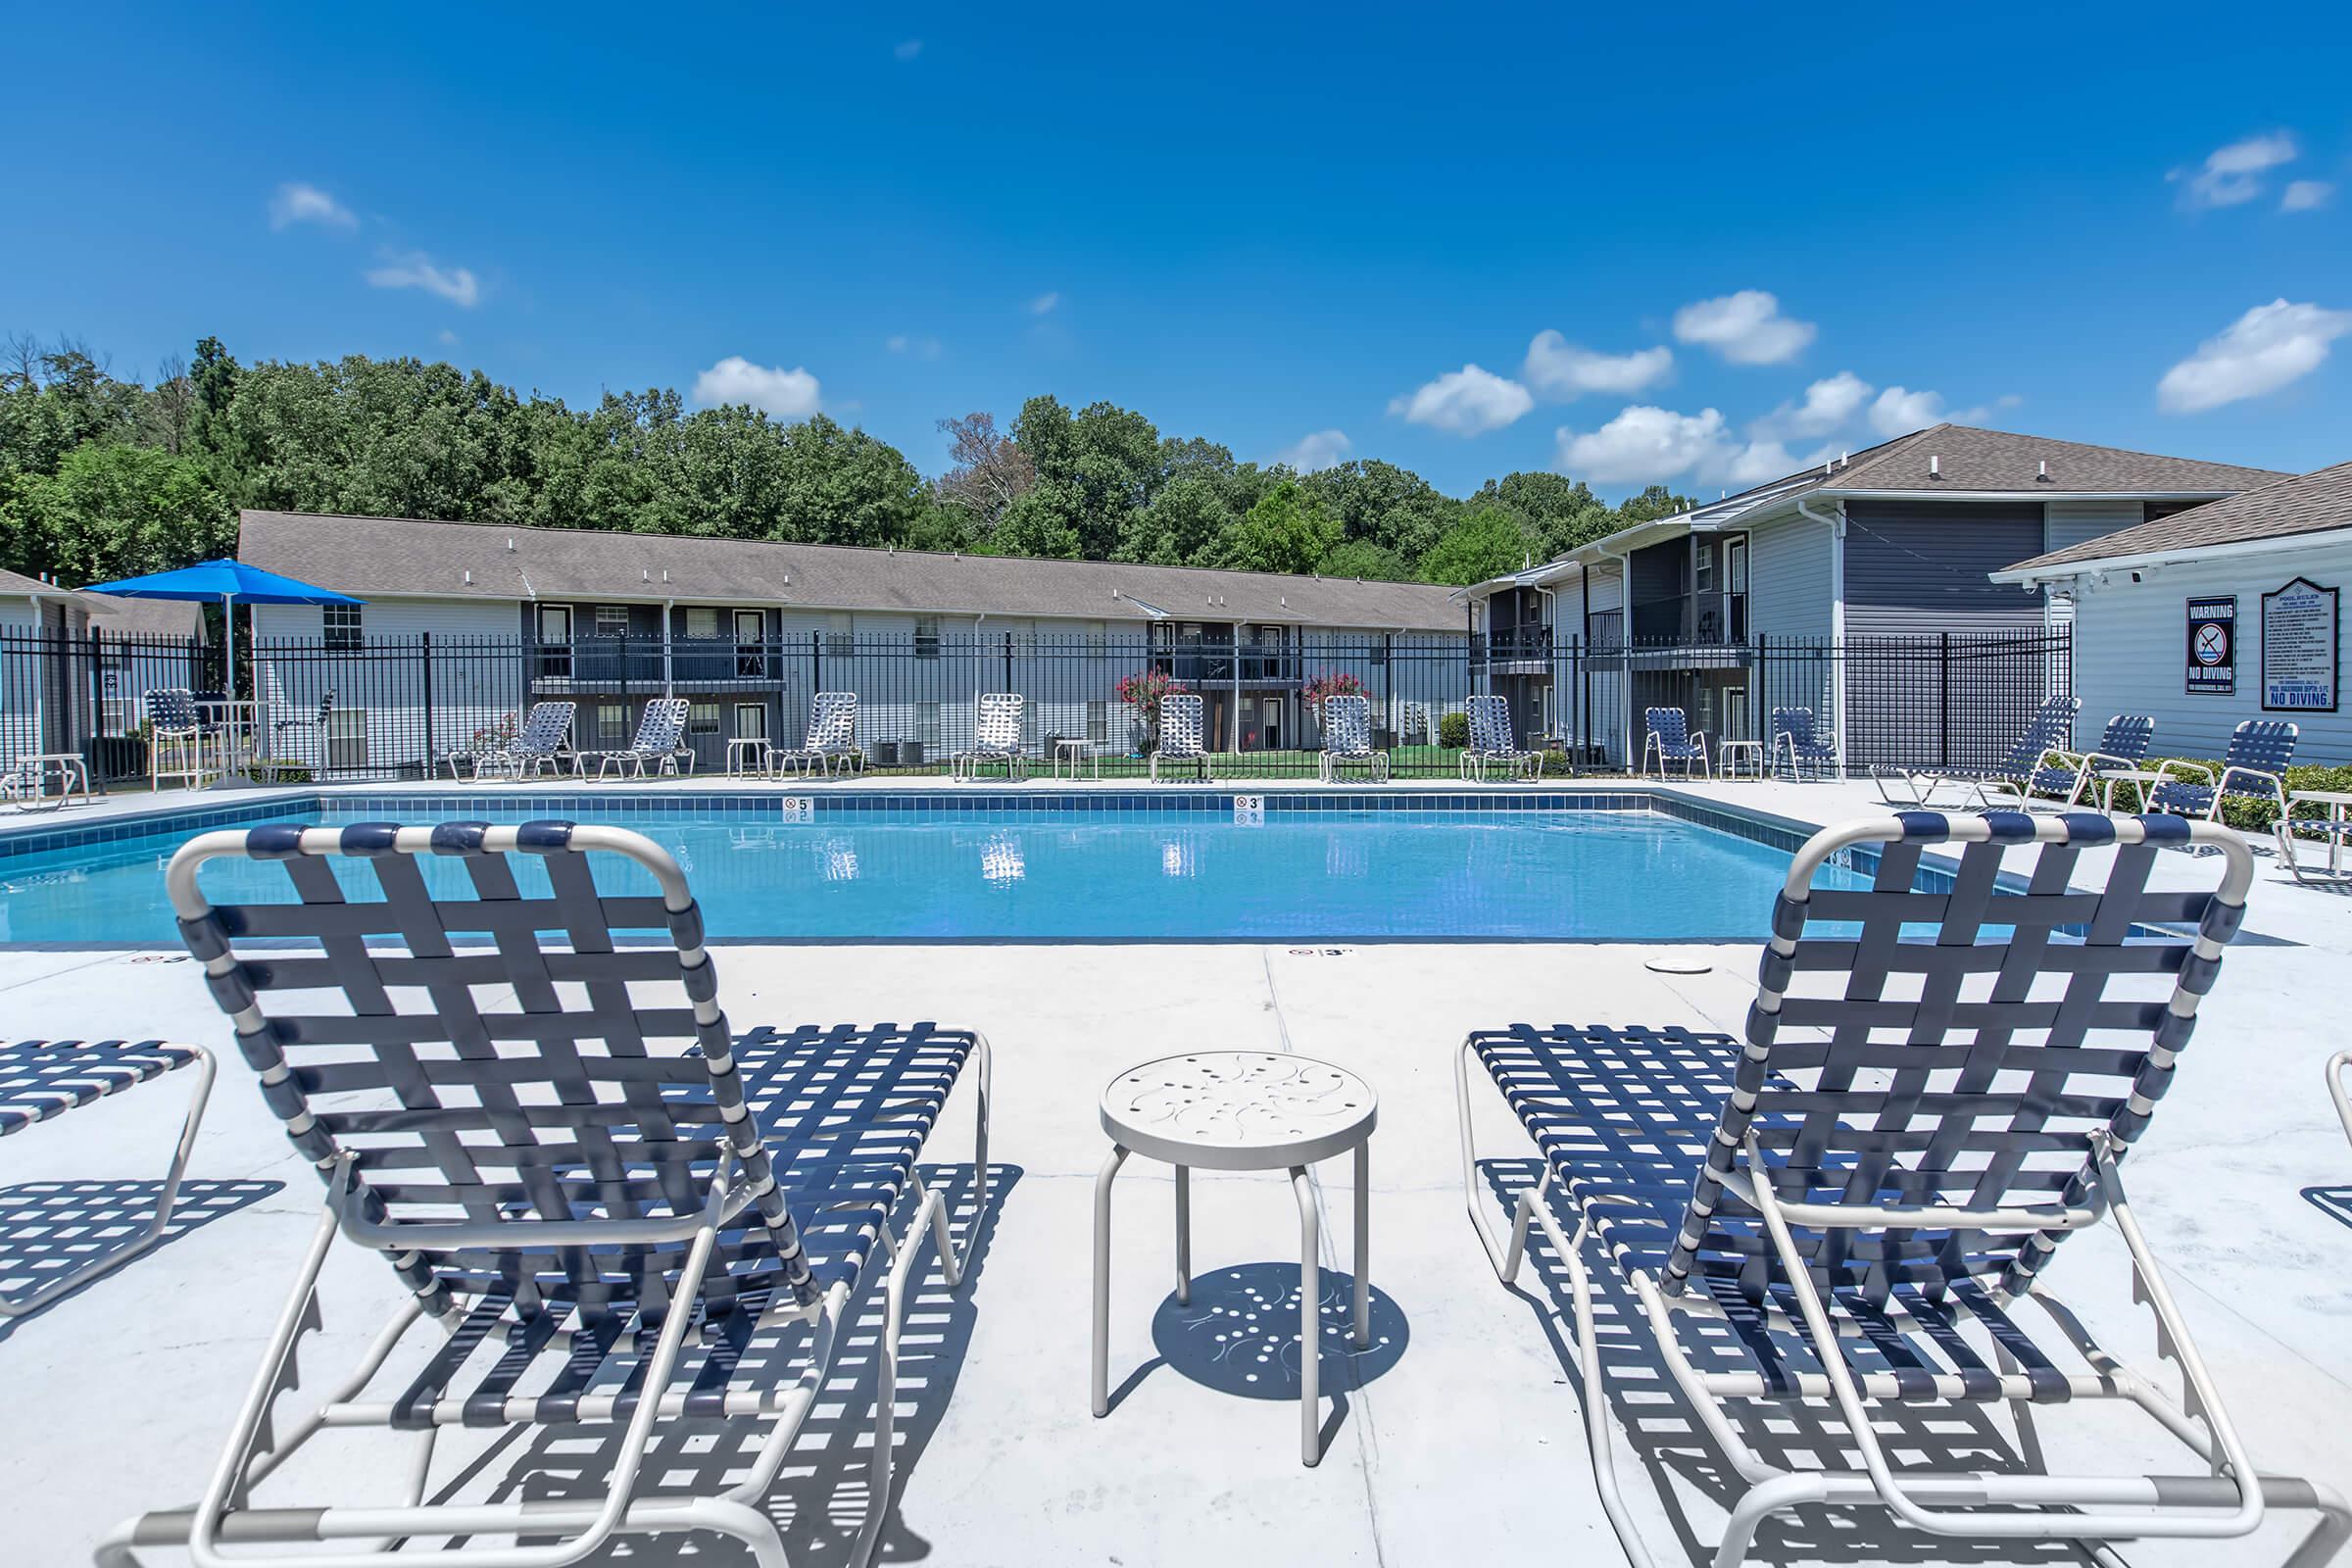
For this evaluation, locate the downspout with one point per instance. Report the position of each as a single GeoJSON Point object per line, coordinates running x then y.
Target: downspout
{"type": "Point", "coordinates": [669, 613]}
{"type": "Point", "coordinates": [1837, 526]}
{"type": "Point", "coordinates": [1625, 638]}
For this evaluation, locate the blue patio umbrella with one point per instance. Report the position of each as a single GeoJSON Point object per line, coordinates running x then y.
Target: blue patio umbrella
{"type": "Point", "coordinates": [227, 582]}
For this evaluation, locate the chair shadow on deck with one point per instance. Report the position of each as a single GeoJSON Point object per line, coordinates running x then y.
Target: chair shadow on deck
{"type": "Point", "coordinates": [2334, 1202]}
{"type": "Point", "coordinates": [49, 1229]}
{"type": "Point", "coordinates": [820, 1498]}
{"type": "Point", "coordinates": [1657, 1425]}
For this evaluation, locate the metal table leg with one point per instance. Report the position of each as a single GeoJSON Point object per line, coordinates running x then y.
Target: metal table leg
{"type": "Point", "coordinates": [1103, 1181]}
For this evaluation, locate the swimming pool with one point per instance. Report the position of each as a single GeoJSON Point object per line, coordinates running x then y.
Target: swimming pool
{"type": "Point", "coordinates": [1004, 868]}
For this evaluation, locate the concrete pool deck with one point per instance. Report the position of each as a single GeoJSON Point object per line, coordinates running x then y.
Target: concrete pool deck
{"type": "Point", "coordinates": [1465, 1442]}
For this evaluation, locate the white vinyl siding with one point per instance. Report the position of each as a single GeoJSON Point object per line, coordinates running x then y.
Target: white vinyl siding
{"type": "Point", "coordinates": [2132, 651]}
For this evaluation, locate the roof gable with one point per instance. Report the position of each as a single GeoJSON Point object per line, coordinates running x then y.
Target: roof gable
{"type": "Point", "coordinates": [2319, 502]}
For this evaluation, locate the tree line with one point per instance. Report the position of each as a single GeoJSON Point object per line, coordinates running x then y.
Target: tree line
{"type": "Point", "coordinates": [104, 477]}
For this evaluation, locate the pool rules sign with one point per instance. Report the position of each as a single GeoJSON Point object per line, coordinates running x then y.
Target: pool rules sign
{"type": "Point", "coordinates": [2299, 648]}
{"type": "Point", "coordinates": [2213, 646]}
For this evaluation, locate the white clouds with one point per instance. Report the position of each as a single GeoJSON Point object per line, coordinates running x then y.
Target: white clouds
{"type": "Point", "coordinates": [907, 51]}
{"type": "Point", "coordinates": [2233, 176]}
{"type": "Point", "coordinates": [786, 394]}
{"type": "Point", "coordinates": [1746, 328]}
{"type": "Point", "coordinates": [1318, 449]}
{"type": "Point", "coordinates": [1468, 401]}
{"type": "Point", "coordinates": [1561, 370]}
{"type": "Point", "coordinates": [1900, 411]}
{"type": "Point", "coordinates": [2259, 352]}
{"type": "Point", "coordinates": [1829, 404]}
{"type": "Point", "coordinates": [2305, 195]}
{"type": "Point", "coordinates": [1044, 304]}
{"type": "Point", "coordinates": [912, 346]}
{"type": "Point", "coordinates": [298, 202]}
{"type": "Point", "coordinates": [416, 270]}
{"type": "Point", "coordinates": [449, 339]}
{"type": "Point", "coordinates": [1646, 445]}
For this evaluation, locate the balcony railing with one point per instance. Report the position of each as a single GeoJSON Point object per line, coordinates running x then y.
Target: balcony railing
{"type": "Point", "coordinates": [632, 662]}
{"type": "Point", "coordinates": [1511, 645]}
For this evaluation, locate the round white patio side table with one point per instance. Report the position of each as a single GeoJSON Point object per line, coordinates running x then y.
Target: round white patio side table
{"type": "Point", "coordinates": [1240, 1110]}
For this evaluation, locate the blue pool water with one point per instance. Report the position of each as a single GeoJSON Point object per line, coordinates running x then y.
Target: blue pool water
{"type": "Point", "coordinates": [1044, 875]}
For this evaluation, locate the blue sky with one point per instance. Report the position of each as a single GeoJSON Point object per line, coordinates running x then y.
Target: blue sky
{"type": "Point", "coordinates": [1756, 233]}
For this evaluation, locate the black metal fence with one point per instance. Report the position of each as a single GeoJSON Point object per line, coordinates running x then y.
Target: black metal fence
{"type": "Point", "coordinates": [403, 707]}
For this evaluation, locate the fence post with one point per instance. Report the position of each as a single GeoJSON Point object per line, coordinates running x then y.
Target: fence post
{"type": "Point", "coordinates": [1943, 697]}
{"type": "Point", "coordinates": [428, 706]}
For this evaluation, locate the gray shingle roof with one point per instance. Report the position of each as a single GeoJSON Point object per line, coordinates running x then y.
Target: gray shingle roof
{"type": "Point", "coordinates": [14, 584]}
{"type": "Point", "coordinates": [2313, 503]}
{"type": "Point", "coordinates": [143, 617]}
{"type": "Point", "coordinates": [412, 557]}
{"type": "Point", "coordinates": [1973, 460]}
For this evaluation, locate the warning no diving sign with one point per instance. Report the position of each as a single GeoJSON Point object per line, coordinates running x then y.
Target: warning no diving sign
{"type": "Point", "coordinates": [2213, 646]}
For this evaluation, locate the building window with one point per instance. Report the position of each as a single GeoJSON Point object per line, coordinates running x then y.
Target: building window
{"type": "Point", "coordinates": [1097, 723]}
{"type": "Point", "coordinates": [926, 637]}
{"type": "Point", "coordinates": [611, 621]}
{"type": "Point", "coordinates": [1702, 569]}
{"type": "Point", "coordinates": [702, 718]}
{"type": "Point", "coordinates": [613, 724]}
{"type": "Point", "coordinates": [840, 636]}
{"type": "Point", "coordinates": [347, 737]}
{"type": "Point", "coordinates": [1098, 638]}
{"type": "Point", "coordinates": [701, 621]}
{"type": "Point", "coordinates": [341, 625]}
{"type": "Point", "coordinates": [926, 723]}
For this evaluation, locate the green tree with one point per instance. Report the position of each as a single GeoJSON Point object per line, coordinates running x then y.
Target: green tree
{"type": "Point", "coordinates": [1558, 512]}
{"type": "Point", "coordinates": [1384, 504]}
{"type": "Point", "coordinates": [1182, 527]}
{"type": "Point", "coordinates": [1487, 543]}
{"type": "Point", "coordinates": [1650, 504]}
{"type": "Point", "coordinates": [1095, 470]}
{"type": "Point", "coordinates": [116, 510]}
{"type": "Point", "coordinates": [1361, 558]}
{"type": "Point", "coordinates": [1287, 531]}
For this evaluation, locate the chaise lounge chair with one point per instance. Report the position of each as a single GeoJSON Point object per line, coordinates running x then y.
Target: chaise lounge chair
{"type": "Point", "coordinates": [545, 730]}
{"type": "Point", "coordinates": [2254, 768]}
{"type": "Point", "coordinates": [175, 737]}
{"type": "Point", "coordinates": [996, 738]}
{"type": "Point", "coordinates": [2053, 730]}
{"type": "Point", "coordinates": [1180, 743]}
{"type": "Point", "coordinates": [1853, 1209]}
{"type": "Point", "coordinates": [2339, 1071]}
{"type": "Point", "coordinates": [1347, 738]}
{"type": "Point", "coordinates": [660, 741]}
{"type": "Point", "coordinates": [616, 1215]}
{"type": "Point", "coordinates": [1670, 739]}
{"type": "Point", "coordinates": [832, 738]}
{"type": "Point", "coordinates": [1491, 745]}
{"type": "Point", "coordinates": [1796, 739]}
{"type": "Point", "coordinates": [44, 1078]}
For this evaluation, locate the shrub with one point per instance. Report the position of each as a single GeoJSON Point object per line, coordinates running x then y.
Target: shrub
{"type": "Point", "coordinates": [1454, 730]}
{"type": "Point", "coordinates": [1555, 764]}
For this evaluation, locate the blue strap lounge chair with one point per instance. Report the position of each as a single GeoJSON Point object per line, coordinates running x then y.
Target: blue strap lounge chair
{"type": "Point", "coordinates": [2052, 729]}
{"type": "Point", "coordinates": [614, 1213]}
{"type": "Point", "coordinates": [2060, 779]}
{"type": "Point", "coordinates": [1669, 738]}
{"type": "Point", "coordinates": [44, 1078]}
{"type": "Point", "coordinates": [1347, 737]}
{"type": "Point", "coordinates": [1180, 743]}
{"type": "Point", "coordinates": [1492, 745]}
{"type": "Point", "coordinates": [1837, 1226]}
{"type": "Point", "coordinates": [996, 738]}
{"type": "Point", "coordinates": [2253, 768]}
{"type": "Point", "coordinates": [1797, 744]}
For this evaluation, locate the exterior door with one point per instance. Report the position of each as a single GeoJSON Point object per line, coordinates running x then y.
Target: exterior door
{"type": "Point", "coordinates": [555, 642]}
{"type": "Point", "coordinates": [751, 634]}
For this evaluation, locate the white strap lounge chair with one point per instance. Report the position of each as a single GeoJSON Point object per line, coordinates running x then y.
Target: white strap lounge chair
{"type": "Point", "coordinates": [832, 738]}
{"type": "Point", "coordinates": [1853, 1210]}
{"type": "Point", "coordinates": [996, 738]}
{"type": "Point", "coordinates": [2339, 1074]}
{"type": "Point", "coordinates": [44, 1078]}
{"type": "Point", "coordinates": [1668, 737]}
{"type": "Point", "coordinates": [174, 738]}
{"type": "Point", "coordinates": [2254, 768]}
{"type": "Point", "coordinates": [1347, 738]}
{"type": "Point", "coordinates": [1798, 746]}
{"type": "Point", "coordinates": [1491, 743]}
{"type": "Point", "coordinates": [1180, 744]}
{"type": "Point", "coordinates": [614, 1214]}
{"type": "Point", "coordinates": [545, 731]}
{"type": "Point", "coordinates": [661, 742]}
{"type": "Point", "coordinates": [2052, 729]}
